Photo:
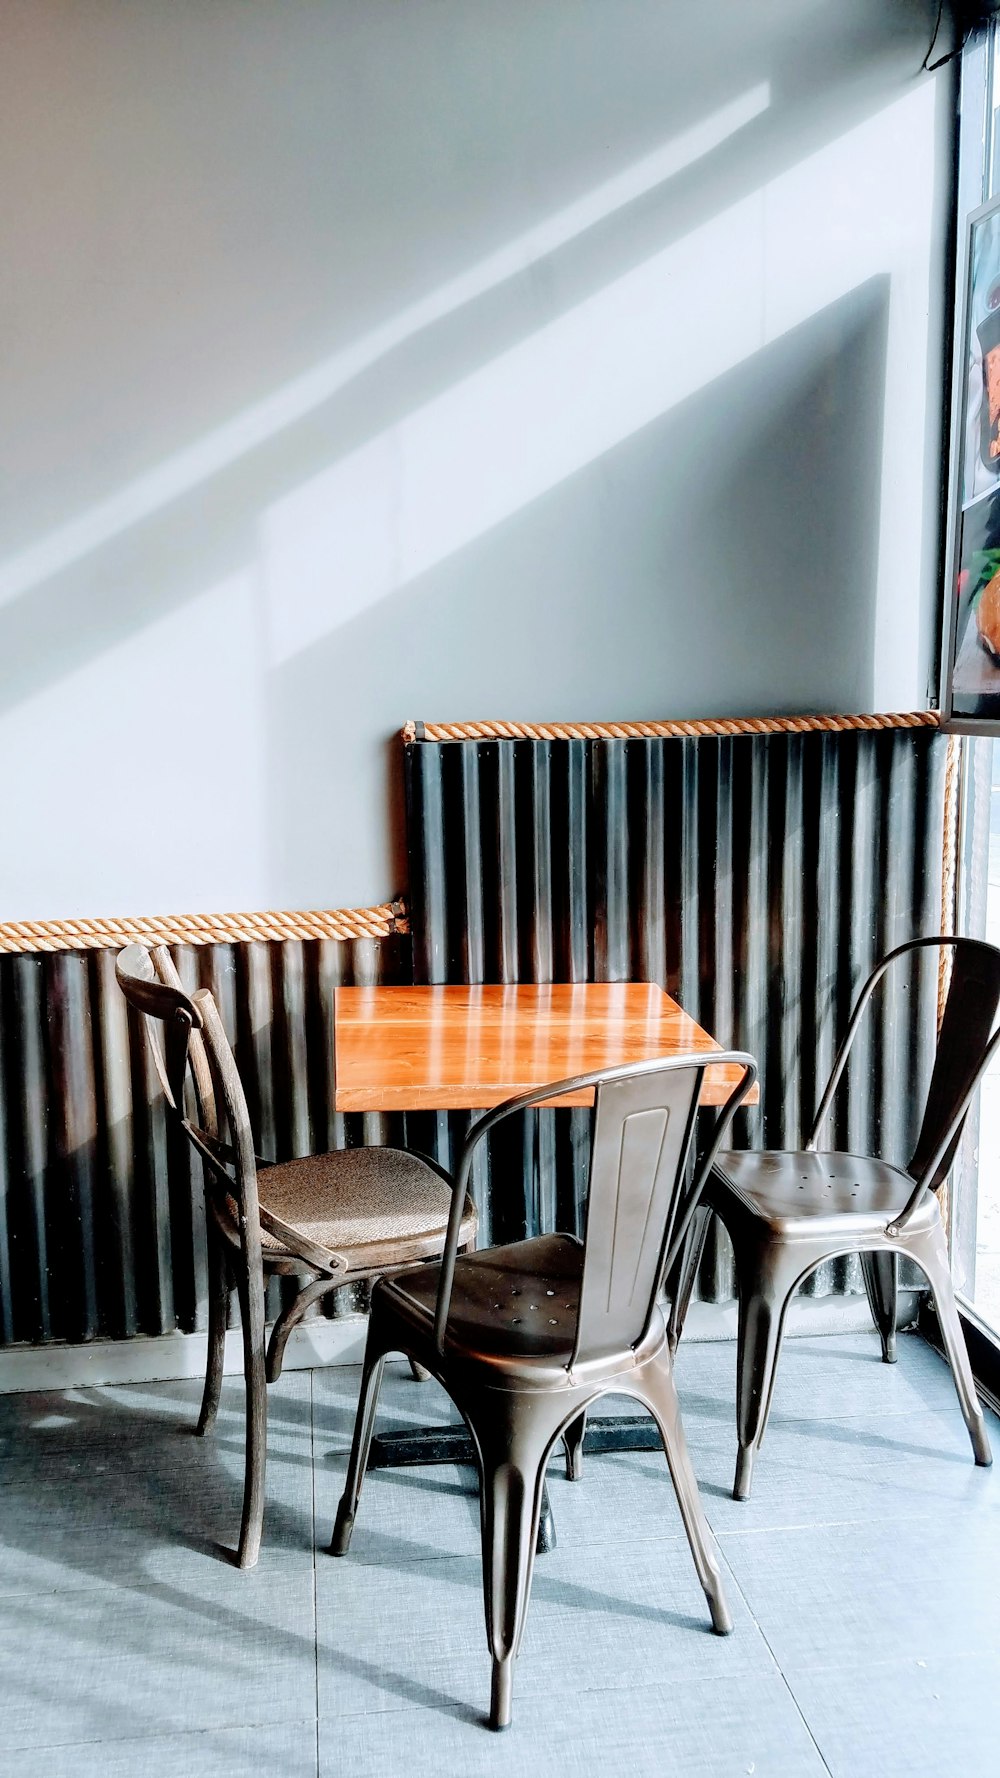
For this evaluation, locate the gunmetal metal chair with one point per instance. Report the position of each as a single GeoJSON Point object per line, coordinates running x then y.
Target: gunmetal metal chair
{"type": "Point", "coordinates": [786, 1212]}
{"type": "Point", "coordinates": [525, 1338]}
{"type": "Point", "coordinates": [330, 1219]}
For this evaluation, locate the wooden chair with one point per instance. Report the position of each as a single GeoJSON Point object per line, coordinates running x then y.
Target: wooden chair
{"type": "Point", "coordinates": [524, 1338]}
{"type": "Point", "coordinates": [330, 1219]}
{"type": "Point", "coordinates": [788, 1211]}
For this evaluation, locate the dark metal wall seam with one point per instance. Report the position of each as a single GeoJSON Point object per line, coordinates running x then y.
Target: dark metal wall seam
{"type": "Point", "coordinates": [756, 876]}
{"type": "Point", "coordinates": [104, 1235]}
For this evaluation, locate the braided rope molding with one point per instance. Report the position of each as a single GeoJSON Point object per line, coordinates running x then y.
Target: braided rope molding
{"type": "Point", "coordinates": [203, 929]}
{"type": "Point", "coordinates": [949, 865]}
{"type": "Point", "coordinates": [949, 908]}
{"type": "Point", "coordinates": [640, 731]}
{"type": "Point", "coordinates": [950, 838]}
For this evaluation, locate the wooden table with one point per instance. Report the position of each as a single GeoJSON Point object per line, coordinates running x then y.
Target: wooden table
{"type": "Point", "coordinates": [469, 1048]}
{"type": "Point", "coordinates": [466, 1049]}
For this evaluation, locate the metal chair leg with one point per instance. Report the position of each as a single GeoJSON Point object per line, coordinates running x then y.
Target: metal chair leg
{"type": "Point", "coordinates": [765, 1285]}
{"type": "Point", "coordinates": [931, 1255]}
{"type": "Point", "coordinates": [659, 1395]}
{"type": "Point", "coordinates": [252, 1315]}
{"type": "Point", "coordinates": [686, 1274]}
{"type": "Point", "coordinates": [364, 1425]}
{"type": "Point", "coordinates": [512, 1460]}
{"type": "Point", "coordinates": [218, 1314]}
{"type": "Point", "coordinates": [572, 1440]}
{"type": "Point", "coordinates": [880, 1272]}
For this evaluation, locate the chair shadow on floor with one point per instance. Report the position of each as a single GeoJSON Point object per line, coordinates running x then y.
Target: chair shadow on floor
{"type": "Point", "coordinates": [127, 1494]}
{"type": "Point", "coordinates": [123, 1492]}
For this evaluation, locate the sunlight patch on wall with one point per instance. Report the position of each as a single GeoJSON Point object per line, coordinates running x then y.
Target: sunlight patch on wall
{"type": "Point", "coordinates": [257, 424]}
{"type": "Point", "coordinates": [143, 770]}
{"type": "Point", "coordinates": [558, 400]}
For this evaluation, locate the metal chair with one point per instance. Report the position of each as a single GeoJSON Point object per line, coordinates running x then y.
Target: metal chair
{"type": "Point", "coordinates": [524, 1338]}
{"type": "Point", "coordinates": [332, 1219]}
{"type": "Point", "coordinates": [786, 1212]}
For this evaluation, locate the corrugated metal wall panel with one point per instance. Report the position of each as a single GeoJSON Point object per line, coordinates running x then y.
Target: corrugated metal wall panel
{"type": "Point", "coordinates": [757, 878]}
{"type": "Point", "coordinates": [102, 1229]}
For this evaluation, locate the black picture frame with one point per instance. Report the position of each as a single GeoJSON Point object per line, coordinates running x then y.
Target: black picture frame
{"type": "Point", "coordinates": [970, 654]}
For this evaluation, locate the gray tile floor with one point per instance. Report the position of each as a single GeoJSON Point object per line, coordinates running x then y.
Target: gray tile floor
{"type": "Point", "coordinates": [863, 1576]}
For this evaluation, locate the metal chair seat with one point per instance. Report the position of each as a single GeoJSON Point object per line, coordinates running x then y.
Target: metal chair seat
{"type": "Point", "coordinates": [514, 1314]}
{"type": "Point", "coordinates": [512, 1307]}
{"type": "Point", "coordinates": [786, 1212]}
{"type": "Point", "coordinates": [850, 1196]}
{"type": "Point", "coordinates": [372, 1206]}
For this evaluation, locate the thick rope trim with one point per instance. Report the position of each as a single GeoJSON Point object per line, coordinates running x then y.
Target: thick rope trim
{"type": "Point", "coordinates": [952, 822]}
{"type": "Point", "coordinates": [203, 929]}
{"type": "Point", "coordinates": [949, 905]}
{"type": "Point", "coordinates": [641, 731]}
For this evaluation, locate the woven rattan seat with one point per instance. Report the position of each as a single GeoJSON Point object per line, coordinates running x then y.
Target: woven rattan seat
{"type": "Point", "coordinates": [363, 1203]}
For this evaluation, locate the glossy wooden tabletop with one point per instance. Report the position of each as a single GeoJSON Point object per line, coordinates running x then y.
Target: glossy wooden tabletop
{"type": "Point", "coordinates": [456, 1048]}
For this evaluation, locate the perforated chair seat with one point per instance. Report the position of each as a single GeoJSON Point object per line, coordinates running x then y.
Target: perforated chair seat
{"type": "Point", "coordinates": [831, 1193]}
{"type": "Point", "coordinates": [372, 1205]}
{"type": "Point", "coordinates": [787, 1212]}
{"type": "Point", "coordinates": [514, 1313]}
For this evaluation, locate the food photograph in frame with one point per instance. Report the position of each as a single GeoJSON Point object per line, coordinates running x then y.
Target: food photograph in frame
{"type": "Point", "coordinates": [971, 694]}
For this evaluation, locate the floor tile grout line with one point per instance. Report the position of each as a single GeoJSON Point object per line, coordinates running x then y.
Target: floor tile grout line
{"type": "Point", "coordinates": [173, 1734]}
{"type": "Point", "coordinates": [778, 1667]}
{"type": "Point", "coordinates": [732, 1532]}
{"type": "Point", "coordinates": [782, 1421]}
{"type": "Point", "coordinates": [313, 1491]}
{"type": "Point", "coordinates": [778, 1424]}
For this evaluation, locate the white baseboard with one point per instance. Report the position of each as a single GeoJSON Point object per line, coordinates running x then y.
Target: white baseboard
{"type": "Point", "coordinates": [169, 1357]}
{"type": "Point", "coordinates": [807, 1315]}
{"type": "Point", "coordinates": [318, 1343]}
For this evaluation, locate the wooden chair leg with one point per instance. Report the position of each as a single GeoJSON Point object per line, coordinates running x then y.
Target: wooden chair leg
{"type": "Point", "coordinates": [931, 1255]}
{"type": "Point", "coordinates": [289, 1318]}
{"type": "Point", "coordinates": [252, 1314]}
{"type": "Point", "coordinates": [218, 1314]}
{"type": "Point", "coordinates": [880, 1273]}
{"type": "Point", "coordinates": [686, 1275]}
{"type": "Point", "coordinates": [364, 1424]}
{"type": "Point", "coordinates": [513, 1446]}
{"type": "Point", "coordinates": [659, 1395]}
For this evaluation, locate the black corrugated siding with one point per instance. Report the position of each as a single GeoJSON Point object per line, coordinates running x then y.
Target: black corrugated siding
{"type": "Point", "coordinates": [757, 878]}
{"type": "Point", "coordinates": [101, 1213]}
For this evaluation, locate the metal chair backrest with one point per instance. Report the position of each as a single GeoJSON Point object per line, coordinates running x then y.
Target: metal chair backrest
{"type": "Point", "coordinates": [966, 1044]}
{"type": "Point", "coordinates": [641, 1194]}
{"type": "Point", "coordinates": [966, 1025]}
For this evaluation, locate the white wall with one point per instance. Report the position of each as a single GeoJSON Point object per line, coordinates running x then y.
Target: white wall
{"type": "Point", "coordinates": [366, 360]}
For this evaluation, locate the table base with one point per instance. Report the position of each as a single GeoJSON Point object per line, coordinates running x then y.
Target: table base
{"type": "Point", "coordinates": [452, 1444]}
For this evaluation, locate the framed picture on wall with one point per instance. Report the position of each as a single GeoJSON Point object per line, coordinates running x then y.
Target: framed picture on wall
{"type": "Point", "coordinates": [970, 694]}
